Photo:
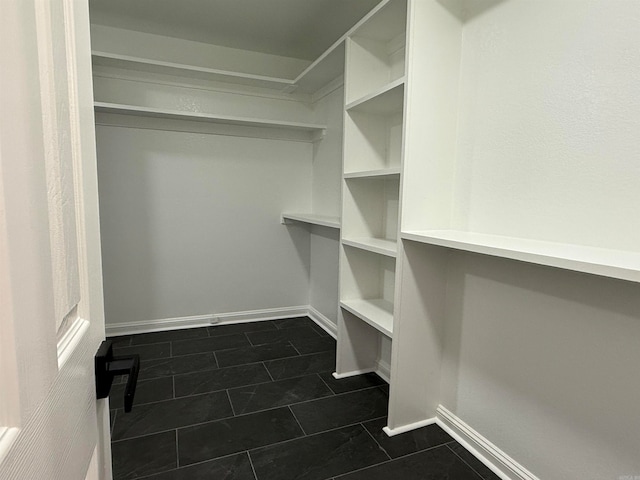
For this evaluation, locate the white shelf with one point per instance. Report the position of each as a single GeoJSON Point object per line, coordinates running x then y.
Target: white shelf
{"type": "Point", "coordinates": [382, 172]}
{"type": "Point", "coordinates": [620, 264]}
{"type": "Point", "coordinates": [328, 67]}
{"type": "Point", "coordinates": [177, 69]}
{"type": "Point", "coordinates": [311, 218]}
{"type": "Point", "coordinates": [376, 312]}
{"type": "Point", "coordinates": [375, 245]}
{"type": "Point", "coordinates": [316, 131]}
{"type": "Point", "coordinates": [386, 100]}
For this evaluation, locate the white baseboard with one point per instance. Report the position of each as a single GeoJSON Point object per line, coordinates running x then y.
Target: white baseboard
{"type": "Point", "coordinates": [195, 321]}
{"type": "Point", "coordinates": [338, 376]}
{"type": "Point", "coordinates": [323, 321]}
{"type": "Point", "coordinates": [384, 370]}
{"type": "Point", "coordinates": [260, 315]}
{"type": "Point", "coordinates": [495, 459]}
{"type": "Point", "coordinates": [407, 428]}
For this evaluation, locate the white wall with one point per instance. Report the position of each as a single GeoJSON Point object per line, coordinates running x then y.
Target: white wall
{"type": "Point", "coordinates": [190, 223]}
{"type": "Point", "coordinates": [158, 47]}
{"type": "Point", "coordinates": [543, 362]}
{"type": "Point", "coordinates": [548, 122]}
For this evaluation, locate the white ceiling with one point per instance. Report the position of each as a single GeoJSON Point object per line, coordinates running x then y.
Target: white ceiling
{"type": "Point", "coordinates": [292, 28]}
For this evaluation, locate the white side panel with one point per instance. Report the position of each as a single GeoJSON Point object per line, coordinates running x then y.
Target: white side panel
{"type": "Point", "coordinates": [191, 223]}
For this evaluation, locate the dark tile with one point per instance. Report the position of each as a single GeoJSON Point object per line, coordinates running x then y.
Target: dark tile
{"type": "Point", "coordinates": [321, 331]}
{"type": "Point", "coordinates": [177, 365]}
{"type": "Point", "coordinates": [480, 468]}
{"type": "Point", "coordinates": [409, 442]}
{"type": "Point", "coordinates": [142, 456]}
{"type": "Point", "coordinates": [121, 341]}
{"type": "Point", "coordinates": [241, 328]}
{"type": "Point", "coordinates": [332, 412]}
{"type": "Point", "coordinates": [209, 344]}
{"type": "Point", "coordinates": [438, 463]}
{"type": "Point", "coordinates": [112, 418]}
{"type": "Point", "coordinates": [303, 365]}
{"type": "Point", "coordinates": [169, 336]}
{"type": "Point", "coordinates": [147, 391]}
{"type": "Point", "coordinates": [318, 457]}
{"type": "Point", "coordinates": [294, 322]}
{"type": "Point", "coordinates": [314, 345]}
{"type": "Point", "coordinates": [160, 416]}
{"type": "Point", "coordinates": [241, 356]}
{"type": "Point", "coordinates": [146, 352]}
{"type": "Point", "coordinates": [237, 434]}
{"type": "Point", "coordinates": [221, 379]}
{"type": "Point", "coordinates": [288, 334]}
{"type": "Point", "coordinates": [233, 467]}
{"type": "Point", "coordinates": [276, 394]}
{"type": "Point", "coordinates": [350, 384]}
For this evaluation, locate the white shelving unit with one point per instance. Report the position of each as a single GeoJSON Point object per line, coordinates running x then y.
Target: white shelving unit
{"type": "Point", "coordinates": [315, 132]}
{"type": "Point", "coordinates": [311, 219]}
{"type": "Point", "coordinates": [620, 264]}
{"type": "Point", "coordinates": [373, 131]}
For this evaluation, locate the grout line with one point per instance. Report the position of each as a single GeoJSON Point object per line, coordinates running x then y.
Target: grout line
{"type": "Point", "coordinates": [215, 357]}
{"type": "Point", "coordinates": [113, 427]}
{"type": "Point", "coordinates": [294, 347]}
{"type": "Point", "coordinates": [377, 443]}
{"type": "Point", "coordinates": [268, 372]}
{"type": "Point", "coordinates": [170, 349]}
{"type": "Point", "coordinates": [328, 386]}
{"type": "Point", "coordinates": [255, 475]}
{"type": "Point", "coordinates": [173, 385]}
{"type": "Point", "coordinates": [248, 339]}
{"type": "Point", "coordinates": [177, 451]}
{"type": "Point", "coordinates": [297, 421]}
{"type": "Point", "coordinates": [463, 460]}
{"type": "Point", "coordinates": [233, 410]}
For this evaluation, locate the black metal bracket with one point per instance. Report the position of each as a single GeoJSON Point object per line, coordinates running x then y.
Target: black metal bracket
{"type": "Point", "coordinates": [108, 366]}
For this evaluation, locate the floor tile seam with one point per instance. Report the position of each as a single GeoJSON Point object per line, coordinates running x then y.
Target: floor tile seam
{"type": "Point", "coordinates": [253, 469]}
{"type": "Point", "coordinates": [286, 405]}
{"type": "Point", "coordinates": [213, 350]}
{"type": "Point", "coordinates": [113, 425]}
{"type": "Point", "coordinates": [183, 467]}
{"type": "Point", "coordinates": [233, 410]}
{"type": "Point", "coordinates": [463, 460]}
{"type": "Point", "coordinates": [376, 441]}
{"type": "Point", "coordinates": [268, 372]}
{"type": "Point", "coordinates": [173, 385]}
{"type": "Point", "coordinates": [155, 402]}
{"type": "Point", "coordinates": [248, 385]}
{"type": "Point", "coordinates": [338, 395]}
{"type": "Point", "coordinates": [183, 426]}
{"type": "Point", "coordinates": [306, 375]}
{"type": "Point", "coordinates": [177, 451]}
{"type": "Point", "coordinates": [297, 421]}
{"type": "Point", "coordinates": [325, 382]}
{"type": "Point", "coordinates": [309, 435]}
{"type": "Point", "coordinates": [282, 342]}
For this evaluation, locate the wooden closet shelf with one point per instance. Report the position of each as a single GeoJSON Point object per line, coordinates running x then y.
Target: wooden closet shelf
{"type": "Point", "coordinates": [376, 312]}
{"type": "Point", "coordinates": [312, 219]}
{"type": "Point", "coordinates": [619, 264]}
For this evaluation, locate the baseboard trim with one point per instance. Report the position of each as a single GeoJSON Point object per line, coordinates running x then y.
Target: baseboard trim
{"type": "Point", "coordinates": [323, 322]}
{"type": "Point", "coordinates": [384, 371]}
{"type": "Point", "coordinates": [260, 315]}
{"type": "Point", "coordinates": [407, 428]}
{"type": "Point", "coordinates": [495, 459]}
{"type": "Point", "coordinates": [338, 376]}
{"type": "Point", "coordinates": [195, 321]}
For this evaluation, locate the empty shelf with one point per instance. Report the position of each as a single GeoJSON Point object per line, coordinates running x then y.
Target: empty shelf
{"type": "Point", "coordinates": [311, 218]}
{"type": "Point", "coordinates": [383, 172]}
{"type": "Point", "coordinates": [620, 264]}
{"type": "Point", "coordinates": [376, 312]}
{"type": "Point", "coordinates": [385, 101]}
{"type": "Point", "coordinates": [375, 245]}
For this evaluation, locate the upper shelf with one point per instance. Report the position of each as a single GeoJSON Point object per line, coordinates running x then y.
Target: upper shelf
{"type": "Point", "coordinates": [384, 101]}
{"type": "Point", "coordinates": [620, 264]}
{"type": "Point", "coordinates": [315, 131]}
{"type": "Point", "coordinates": [312, 219]}
{"type": "Point", "coordinates": [381, 172]}
{"type": "Point", "coordinates": [169, 68]}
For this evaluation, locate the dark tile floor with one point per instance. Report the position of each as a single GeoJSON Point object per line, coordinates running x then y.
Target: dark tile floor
{"type": "Point", "coordinates": [257, 401]}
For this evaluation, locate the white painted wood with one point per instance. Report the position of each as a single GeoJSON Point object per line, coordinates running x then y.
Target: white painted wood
{"type": "Point", "coordinates": [312, 219]}
{"type": "Point", "coordinates": [382, 172]}
{"type": "Point", "coordinates": [375, 311]}
{"type": "Point", "coordinates": [315, 131]}
{"type": "Point", "coordinates": [324, 322]}
{"type": "Point", "coordinates": [128, 62]}
{"type": "Point", "coordinates": [370, 208]}
{"type": "Point", "coordinates": [489, 454]}
{"type": "Point", "coordinates": [372, 142]}
{"type": "Point", "coordinates": [624, 265]}
{"type": "Point", "coordinates": [326, 68]}
{"type": "Point", "coordinates": [407, 428]}
{"type": "Point", "coordinates": [386, 100]}
{"type": "Point", "coordinates": [57, 422]}
{"type": "Point", "coordinates": [371, 244]}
